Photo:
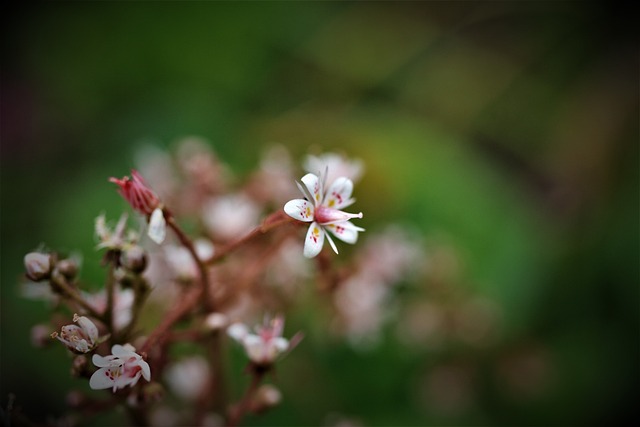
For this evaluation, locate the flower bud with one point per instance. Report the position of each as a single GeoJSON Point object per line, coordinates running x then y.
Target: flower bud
{"type": "Point", "coordinates": [68, 268]}
{"type": "Point", "coordinates": [216, 321]}
{"type": "Point", "coordinates": [40, 336]}
{"type": "Point", "coordinates": [38, 266]}
{"type": "Point", "coordinates": [266, 397]}
{"type": "Point", "coordinates": [79, 366]}
{"type": "Point", "coordinates": [134, 259]}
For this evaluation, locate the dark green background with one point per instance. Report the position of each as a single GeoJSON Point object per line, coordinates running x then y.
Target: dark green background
{"type": "Point", "coordinates": [511, 128]}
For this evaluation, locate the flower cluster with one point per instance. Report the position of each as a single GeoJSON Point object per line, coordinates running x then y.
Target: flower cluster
{"type": "Point", "coordinates": [239, 262]}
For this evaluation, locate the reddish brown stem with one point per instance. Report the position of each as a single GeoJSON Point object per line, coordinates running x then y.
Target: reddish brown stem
{"type": "Point", "coordinates": [238, 412]}
{"type": "Point", "coordinates": [274, 220]}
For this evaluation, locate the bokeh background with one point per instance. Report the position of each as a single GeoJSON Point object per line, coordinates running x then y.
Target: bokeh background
{"type": "Point", "coordinates": [504, 133]}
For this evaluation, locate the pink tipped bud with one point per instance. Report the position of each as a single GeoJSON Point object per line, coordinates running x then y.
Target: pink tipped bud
{"type": "Point", "coordinates": [38, 266]}
{"type": "Point", "coordinates": [136, 192]}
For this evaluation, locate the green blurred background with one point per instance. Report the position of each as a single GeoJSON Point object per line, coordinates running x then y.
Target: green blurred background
{"type": "Point", "coordinates": [507, 129]}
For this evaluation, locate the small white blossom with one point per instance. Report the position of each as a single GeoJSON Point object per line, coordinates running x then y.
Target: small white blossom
{"type": "Point", "coordinates": [323, 210]}
{"type": "Point", "coordinates": [188, 377]}
{"type": "Point", "coordinates": [80, 338]}
{"type": "Point", "coordinates": [337, 165]}
{"type": "Point", "coordinates": [181, 261]}
{"type": "Point", "coordinates": [263, 347]}
{"type": "Point", "coordinates": [123, 367]}
{"type": "Point", "coordinates": [231, 216]}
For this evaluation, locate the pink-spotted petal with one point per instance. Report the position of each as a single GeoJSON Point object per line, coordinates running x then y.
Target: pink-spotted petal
{"type": "Point", "coordinates": [314, 185]}
{"type": "Point", "coordinates": [103, 378]}
{"type": "Point", "coordinates": [345, 231]}
{"type": "Point", "coordinates": [313, 241]}
{"type": "Point", "coordinates": [339, 194]}
{"type": "Point", "coordinates": [300, 209]}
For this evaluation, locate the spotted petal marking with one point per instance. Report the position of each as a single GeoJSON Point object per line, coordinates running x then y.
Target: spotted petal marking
{"type": "Point", "coordinates": [339, 194]}
{"type": "Point", "coordinates": [314, 185]}
{"type": "Point", "coordinates": [345, 231]}
{"type": "Point", "coordinates": [314, 240]}
{"type": "Point", "coordinates": [300, 209]}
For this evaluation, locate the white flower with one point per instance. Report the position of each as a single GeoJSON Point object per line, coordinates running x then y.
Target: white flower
{"type": "Point", "coordinates": [263, 347]}
{"type": "Point", "coordinates": [181, 261]}
{"type": "Point", "coordinates": [322, 209]}
{"type": "Point", "coordinates": [231, 216]}
{"type": "Point", "coordinates": [188, 377]}
{"type": "Point", "coordinates": [80, 338]}
{"type": "Point", "coordinates": [122, 304]}
{"type": "Point", "coordinates": [337, 165]}
{"type": "Point", "coordinates": [122, 368]}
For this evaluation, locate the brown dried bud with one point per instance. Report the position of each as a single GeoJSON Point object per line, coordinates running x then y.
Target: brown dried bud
{"type": "Point", "coordinates": [37, 265]}
{"type": "Point", "coordinates": [267, 396]}
{"type": "Point", "coordinates": [134, 259]}
{"type": "Point", "coordinates": [68, 268]}
{"type": "Point", "coordinates": [80, 367]}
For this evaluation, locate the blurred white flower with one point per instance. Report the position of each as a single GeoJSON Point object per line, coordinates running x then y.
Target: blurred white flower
{"type": "Point", "coordinates": [337, 165]}
{"type": "Point", "coordinates": [188, 377]}
{"type": "Point", "coordinates": [263, 347]}
{"type": "Point", "coordinates": [181, 261]}
{"type": "Point", "coordinates": [229, 217]}
{"type": "Point", "coordinates": [122, 304]}
{"type": "Point", "coordinates": [122, 368]}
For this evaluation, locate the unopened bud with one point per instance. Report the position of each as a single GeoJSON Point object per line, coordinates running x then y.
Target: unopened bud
{"type": "Point", "coordinates": [37, 265]}
{"type": "Point", "coordinates": [68, 268]}
{"type": "Point", "coordinates": [216, 321]}
{"type": "Point", "coordinates": [134, 259]}
{"type": "Point", "coordinates": [152, 392]}
{"type": "Point", "coordinates": [267, 396]}
{"type": "Point", "coordinates": [79, 366]}
{"type": "Point", "coordinates": [75, 399]}
{"type": "Point", "coordinates": [40, 336]}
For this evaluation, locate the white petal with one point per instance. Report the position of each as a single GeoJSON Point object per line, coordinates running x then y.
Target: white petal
{"type": "Point", "coordinates": [237, 331]}
{"type": "Point", "coordinates": [124, 351]}
{"type": "Point", "coordinates": [157, 226]}
{"type": "Point", "coordinates": [339, 194]}
{"type": "Point", "coordinates": [254, 346]}
{"type": "Point", "coordinates": [314, 185]}
{"type": "Point", "coordinates": [300, 209]}
{"type": "Point", "coordinates": [345, 231]}
{"type": "Point", "coordinates": [103, 362]}
{"type": "Point", "coordinates": [332, 243]}
{"type": "Point", "coordinates": [281, 343]}
{"type": "Point", "coordinates": [313, 241]}
{"type": "Point", "coordinates": [100, 379]}
{"type": "Point", "coordinates": [146, 370]}
{"type": "Point", "coordinates": [89, 327]}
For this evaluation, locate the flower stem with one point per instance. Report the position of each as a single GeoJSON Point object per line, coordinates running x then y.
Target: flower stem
{"type": "Point", "coordinates": [71, 293]}
{"type": "Point", "coordinates": [238, 412]}
{"type": "Point", "coordinates": [202, 269]}
{"type": "Point", "coordinates": [274, 220]}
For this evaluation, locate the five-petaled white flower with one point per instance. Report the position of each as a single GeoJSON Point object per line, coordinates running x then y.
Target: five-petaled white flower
{"type": "Point", "coordinates": [122, 368]}
{"type": "Point", "coordinates": [263, 347]}
{"type": "Point", "coordinates": [323, 210]}
{"type": "Point", "coordinates": [80, 338]}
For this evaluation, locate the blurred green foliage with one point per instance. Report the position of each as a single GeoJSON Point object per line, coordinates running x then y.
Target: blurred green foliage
{"type": "Point", "coordinates": [508, 129]}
